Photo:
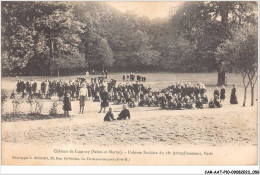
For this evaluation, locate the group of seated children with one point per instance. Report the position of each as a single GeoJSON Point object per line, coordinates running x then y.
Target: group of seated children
{"type": "Point", "coordinates": [178, 96]}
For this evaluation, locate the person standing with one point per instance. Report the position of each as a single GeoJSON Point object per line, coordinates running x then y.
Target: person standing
{"type": "Point", "coordinates": [82, 98]}
{"type": "Point", "coordinates": [18, 86]}
{"type": "Point", "coordinates": [104, 100]}
{"type": "Point", "coordinates": [222, 93]}
{"type": "Point", "coordinates": [87, 74]}
{"type": "Point", "coordinates": [43, 88]}
{"type": "Point", "coordinates": [216, 92]}
{"type": "Point", "coordinates": [67, 104]}
{"type": "Point", "coordinates": [106, 73]}
{"type": "Point", "coordinates": [233, 97]}
{"type": "Point", "coordinates": [34, 87]}
{"type": "Point", "coordinates": [28, 88]}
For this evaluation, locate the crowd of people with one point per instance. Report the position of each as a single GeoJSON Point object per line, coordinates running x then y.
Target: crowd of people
{"type": "Point", "coordinates": [177, 96]}
{"type": "Point", "coordinates": [54, 87]}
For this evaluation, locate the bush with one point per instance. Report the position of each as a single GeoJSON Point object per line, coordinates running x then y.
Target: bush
{"type": "Point", "coordinates": [4, 97]}
{"type": "Point", "coordinates": [35, 105]}
{"type": "Point", "coordinates": [17, 101]}
{"type": "Point", "coordinates": [54, 109]}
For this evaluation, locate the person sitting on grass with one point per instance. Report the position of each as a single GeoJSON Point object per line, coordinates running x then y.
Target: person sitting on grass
{"type": "Point", "coordinates": [116, 98]}
{"type": "Point", "coordinates": [180, 104]}
{"type": "Point", "coordinates": [163, 103]}
{"type": "Point", "coordinates": [199, 104]}
{"type": "Point", "coordinates": [217, 102]}
{"type": "Point", "coordinates": [211, 104]}
{"type": "Point", "coordinates": [131, 103]}
{"type": "Point", "coordinates": [109, 117]}
{"type": "Point", "coordinates": [124, 114]}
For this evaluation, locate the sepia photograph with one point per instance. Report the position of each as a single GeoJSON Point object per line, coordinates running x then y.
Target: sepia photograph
{"type": "Point", "coordinates": [129, 83]}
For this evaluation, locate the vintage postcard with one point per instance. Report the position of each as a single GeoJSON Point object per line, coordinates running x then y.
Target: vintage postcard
{"type": "Point", "coordinates": [129, 83]}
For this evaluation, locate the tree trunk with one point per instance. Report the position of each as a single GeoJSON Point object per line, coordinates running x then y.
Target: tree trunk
{"type": "Point", "coordinates": [252, 96]}
{"type": "Point", "coordinates": [58, 73]}
{"type": "Point", "coordinates": [221, 78]}
{"type": "Point", "coordinates": [244, 103]}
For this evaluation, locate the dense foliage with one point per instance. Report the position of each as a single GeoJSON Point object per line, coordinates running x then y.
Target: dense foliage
{"type": "Point", "coordinates": [41, 38]}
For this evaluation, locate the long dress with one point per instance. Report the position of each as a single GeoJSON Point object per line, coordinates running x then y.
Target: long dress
{"type": "Point", "coordinates": [66, 103]}
{"type": "Point", "coordinates": [233, 97]}
{"type": "Point", "coordinates": [222, 94]}
{"type": "Point", "coordinates": [104, 97]}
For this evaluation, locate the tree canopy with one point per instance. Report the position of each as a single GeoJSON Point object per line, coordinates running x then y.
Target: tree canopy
{"type": "Point", "coordinates": [41, 37]}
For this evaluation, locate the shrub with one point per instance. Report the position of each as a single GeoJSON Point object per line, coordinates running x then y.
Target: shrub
{"type": "Point", "coordinates": [54, 109]}
{"type": "Point", "coordinates": [35, 105]}
{"type": "Point", "coordinates": [4, 97]}
{"type": "Point", "coordinates": [17, 101]}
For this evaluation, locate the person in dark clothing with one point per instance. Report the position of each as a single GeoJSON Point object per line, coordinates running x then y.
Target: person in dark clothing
{"type": "Point", "coordinates": [12, 95]}
{"type": "Point", "coordinates": [104, 100]}
{"type": "Point", "coordinates": [233, 97]}
{"type": "Point", "coordinates": [222, 93]}
{"type": "Point", "coordinates": [22, 86]}
{"type": "Point", "coordinates": [34, 87]}
{"type": "Point", "coordinates": [109, 117]}
{"type": "Point", "coordinates": [43, 88]}
{"type": "Point", "coordinates": [28, 88]}
{"type": "Point", "coordinates": [124, 114]}
{"type": "Point", "coordinates": [196, 91]}
{"type": "Point", "coordinates": [216, 102]}
{"type": "Point", "coordinates": [211, 104]}
{"type": "Point", "coordinates": [73, 90]}
{"type": "Point", "coordinates": [199, 104]}
{"type": "Point", "coordinates": [138, 78]}
{"type": "Point", "coordinates": [216, 92]}
{"type": "Point", "coordinates": [66, 104]}
{"type": "Point", "coordinates": [18, 86]}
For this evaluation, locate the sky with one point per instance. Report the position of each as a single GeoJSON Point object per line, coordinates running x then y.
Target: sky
{"type": "Point", "coordinates": [155, 9]}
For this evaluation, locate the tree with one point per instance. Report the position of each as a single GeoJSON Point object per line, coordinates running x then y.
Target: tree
{"type": "Point", "coordinates": [240, 54]}
{"type": "Point", "coordinates": [142, 55]}
{"type": "Point", "coordinates": [37, 34]}
{"type": "Point", "coordinates": [101, 55]}
{"type": "Point", "coordinates": [62, 33]}
{"type": "Point", "coordinates": [41, 37]}
{"type": "Point", "coordinates": [17, 40]}
{"type": "Point", "coordinates": [208, 24]}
